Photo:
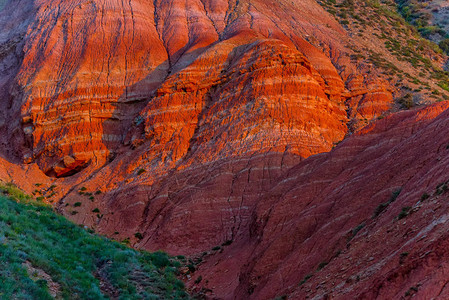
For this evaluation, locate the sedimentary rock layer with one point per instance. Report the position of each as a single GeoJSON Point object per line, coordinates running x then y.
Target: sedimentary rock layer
{"type": "Point", "coordinates": [190, 125]}
{"type": "Point", "coordinates": [271, 224]}
{"type": "Point", "coordinates": [91, 70]}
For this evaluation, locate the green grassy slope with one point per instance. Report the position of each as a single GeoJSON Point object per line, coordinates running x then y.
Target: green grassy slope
{"type": "Point", "coordinates": [43, 254]}
{"type": "Point", "coordinates": [394, 46]}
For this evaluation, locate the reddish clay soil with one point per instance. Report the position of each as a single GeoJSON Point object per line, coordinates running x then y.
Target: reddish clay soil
{"type": "Point", "coordinates": [211, 129]}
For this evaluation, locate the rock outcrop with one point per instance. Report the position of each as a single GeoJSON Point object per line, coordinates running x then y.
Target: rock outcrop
{"type": "Point", "coordinates": [328, 226]}
{"type": "Point", "coordinates": [95, 75]}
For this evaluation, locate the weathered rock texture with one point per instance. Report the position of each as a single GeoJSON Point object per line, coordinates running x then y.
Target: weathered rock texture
{"type": "Point", "coordinates": [184, 126]}
{"type": "Point", "coordinates": [89, 76]}
{"type": "Point", "coordinates": [277, 221]}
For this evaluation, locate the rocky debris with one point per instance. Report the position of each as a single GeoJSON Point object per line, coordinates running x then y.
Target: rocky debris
{"type": "Point", "coordinates": [37, 274]}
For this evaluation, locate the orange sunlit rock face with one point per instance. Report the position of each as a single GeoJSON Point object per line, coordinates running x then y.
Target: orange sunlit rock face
{"type": "Point", "coordinates": [229, 78]}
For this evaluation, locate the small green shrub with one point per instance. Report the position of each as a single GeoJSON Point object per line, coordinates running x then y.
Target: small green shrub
{"type": "Point", "coordinates": [304, 280]}
{"type": "Point", "coordinates": [77, 204]}
{"type": "Point", "coordinates": [411, 291]}
{"type": "Point", "coordinates": [406, 101]}
{"type": "Point", "coordinates": [227, 243]}
{"type": "Point", "coordinates": [381, 207]}
{"type": "Point", "coordinates": [402, 257]}
{"type": "Point", "coordinates": [404, 212]}
{"type": "Point", "coordinates": [356, 230]}
{"type": "Point", "coordinates": [198, 280]}
{"type": "Point", "coordinates": [191, 268]}
{"type": "Point", "coordinates": [444, 45]}
{"type": "Point", "coordinates": [425, 196]}
{"type": "Point", "coordinates": [322, 265]}
{"type": "Point", "coordinates": [160, 259]}
{"type": "Point", "coordinates": [441, 188]}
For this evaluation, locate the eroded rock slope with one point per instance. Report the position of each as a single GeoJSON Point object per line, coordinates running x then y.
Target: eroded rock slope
{"type": "Point", "coordinates": [189, 126]}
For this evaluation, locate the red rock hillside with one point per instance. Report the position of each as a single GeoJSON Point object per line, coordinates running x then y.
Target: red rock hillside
{"type": "Point", "coordinates": [203, 128]}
